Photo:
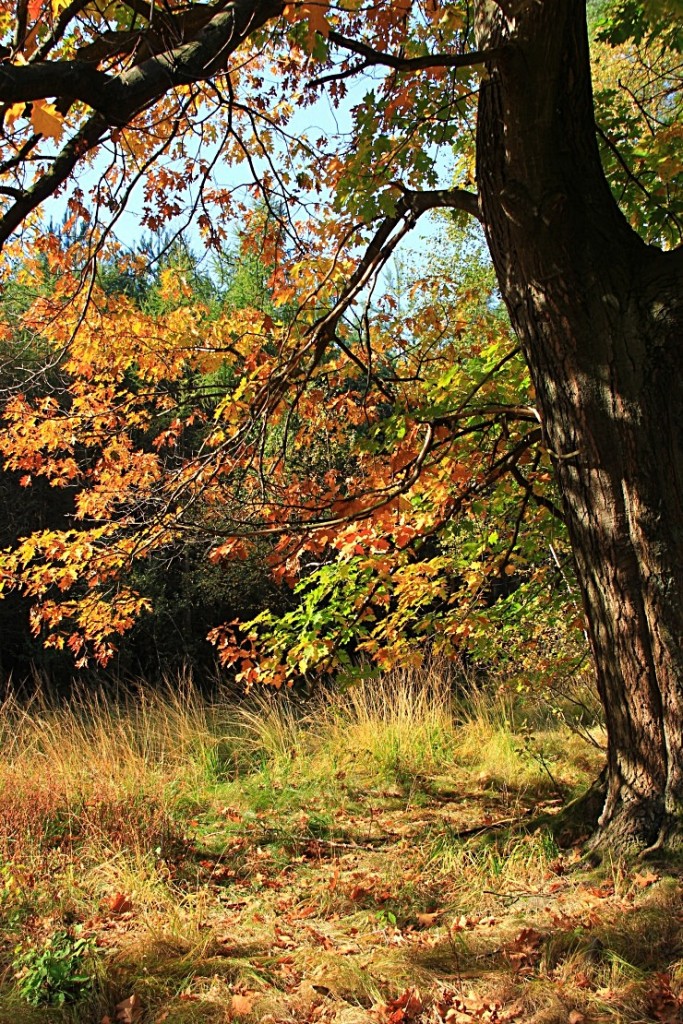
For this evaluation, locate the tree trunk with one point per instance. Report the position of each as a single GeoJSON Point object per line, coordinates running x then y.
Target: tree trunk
{"type": "Point", "coordinates": [600, 317]}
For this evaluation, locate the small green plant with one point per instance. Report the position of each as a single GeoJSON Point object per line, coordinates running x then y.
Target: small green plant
{"type": "Point", "coordinates": [60, 971]}
{"type": "Point", "coordinates": [13, 903]}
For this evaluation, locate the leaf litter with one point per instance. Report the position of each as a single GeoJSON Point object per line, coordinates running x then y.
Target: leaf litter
{"type": "Point", "coordinates": [398, 905]}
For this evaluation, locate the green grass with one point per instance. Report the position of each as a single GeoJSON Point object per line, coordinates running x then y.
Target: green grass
{"type": "Point", "coordinates": [287, 861]}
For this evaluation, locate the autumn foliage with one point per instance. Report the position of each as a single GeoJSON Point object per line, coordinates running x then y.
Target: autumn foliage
{"type": "Point", "coordinates": [381, 436]}
{"type": "Point", "coordinates": [396, 493]}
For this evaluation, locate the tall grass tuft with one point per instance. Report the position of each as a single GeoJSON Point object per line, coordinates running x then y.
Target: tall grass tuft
{"type": "Point", "coordinates": [164, 825]}
{"type": "Point", "coordinates": [121, 768]}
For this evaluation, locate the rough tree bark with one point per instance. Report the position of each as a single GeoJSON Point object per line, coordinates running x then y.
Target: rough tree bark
{"type": "Point", "coordinates": [600, 317]}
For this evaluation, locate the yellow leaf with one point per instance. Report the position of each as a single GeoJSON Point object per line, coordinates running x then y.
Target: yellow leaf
{"type": "Point", "coordinates": [59, 5]}
{"type": "Point", "coordinates": [14, 112]}
{"type": "Point", "coordinates": [47, 120]}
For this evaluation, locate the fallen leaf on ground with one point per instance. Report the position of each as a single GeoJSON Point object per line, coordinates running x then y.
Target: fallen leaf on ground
{"type": "Point", "coordinates": [452, 1008]}
{"type": "Point", "coordinates": [427, 920]}
{"type": "Point", "coordinates": [525, 949]}
{"type": "Point", "coordinates": [462, 923]}
{"type": "Point", "coordinates": [119, 904]}
{"type": "Point", "coordinates": [405, 1007]}
{"type": "Point", "coordinates": [129, 1010]}
{"type": "Point", "coordinates": [667, 1005]}
{"type": "Point", "coordinates": [600, 892]}
{"type": "Point", "coordinates": [645, 878]}
{"type": "Point", "coordinates": [242, 1003]}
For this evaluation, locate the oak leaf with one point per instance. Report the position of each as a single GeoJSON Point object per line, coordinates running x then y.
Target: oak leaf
{"type": "Point", "coordinates": [314, 14]}
{"type": "Point", "coordinates": [645, 878]}
{"type": "Point", "coordinates": [13, 112]}
{"type": "Point", "coordinates": [427, 920]}
{"type": "Point", "coordinates": [242, 1003]}
{"type": "Point", "coordinates": [405, 1007]}
{"type": "Point", "coordinates": [47, 120]}
{"type": "Point", "coordinates": [119, 904]}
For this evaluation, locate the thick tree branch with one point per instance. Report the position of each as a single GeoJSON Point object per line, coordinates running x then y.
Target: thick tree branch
{"type": "Point", "coordinates": [157, 32]}
{"type": "Point", "coordinates": [22, 83]}
{"type": "Point", "coordinates": [20, 24]}
{"type": "Point", "coordinates": [84, 140]}
{"type": "Point", "coordinates": [116, 100]}
{"type": "Point", "coordinates": [120, 97]}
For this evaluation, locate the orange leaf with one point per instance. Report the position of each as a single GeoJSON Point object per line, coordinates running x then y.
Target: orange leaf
{"type": "Point", "coordinates": [242, 1003]}
{"type": "Point", "coordinates": [13, 112]}
{"type": "Point", "coordinates": [119, 904]}
{"type": "Point", "coordinates": [645, 878]}
{"type": "Point", "coordinates": [463, 923]}
{"type": "Point", "coordinates": [313, 13]}
{"type": "Point", "coordinates": [47, 120]}
{"type": "Point", "coordinates": [407, 1006]}
{"type": "Point", "coordinates": [427, 920]}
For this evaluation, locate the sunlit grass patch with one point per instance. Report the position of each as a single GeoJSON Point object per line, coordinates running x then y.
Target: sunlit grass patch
{"type": "Point", "coordinates": [288, 859]}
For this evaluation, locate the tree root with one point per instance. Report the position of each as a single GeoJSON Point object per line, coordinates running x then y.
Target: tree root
{"type": "Point", "coordinates": [580, 817]}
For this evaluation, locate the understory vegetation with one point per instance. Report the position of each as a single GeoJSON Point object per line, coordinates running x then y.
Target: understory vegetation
{"type": "Point", "coordinates": [394, 852]}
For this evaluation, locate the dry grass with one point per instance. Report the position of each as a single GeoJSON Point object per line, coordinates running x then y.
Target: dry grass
{"type": "Point", "coordinates": [318, 861]}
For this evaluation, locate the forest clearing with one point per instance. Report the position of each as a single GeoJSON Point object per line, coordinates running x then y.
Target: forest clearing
{"type": "Point", "coordinates": [341, 511]}
{"type": "Point", "coordinates": [389, 854]}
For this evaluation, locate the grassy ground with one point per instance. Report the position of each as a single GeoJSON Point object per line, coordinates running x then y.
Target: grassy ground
{"type": "Point", "coordinates": [372, 857]}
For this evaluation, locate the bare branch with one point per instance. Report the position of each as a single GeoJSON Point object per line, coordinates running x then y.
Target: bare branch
{"type": "Point", "coordinates": [539, 499]}
{"type": "Point", "coordinates": [409, 207]}
{"type": "Point", "coordinates": [399, 63]}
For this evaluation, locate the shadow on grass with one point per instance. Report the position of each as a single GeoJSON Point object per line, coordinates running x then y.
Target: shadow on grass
{"type": "Point", "coordinates": [612, 962]}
